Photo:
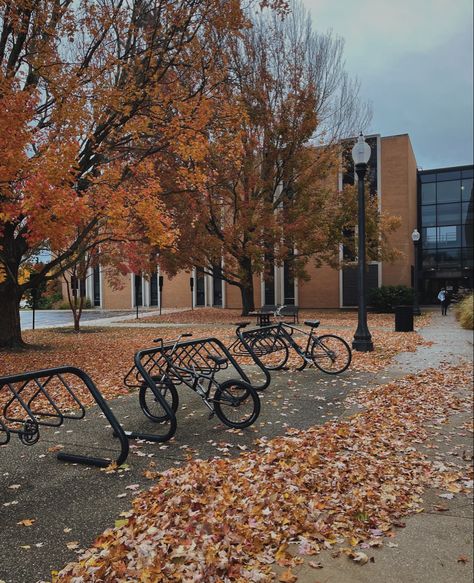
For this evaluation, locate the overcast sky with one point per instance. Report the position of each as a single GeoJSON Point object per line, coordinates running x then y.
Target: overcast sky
{"type": "Point", "coordinates": [414, 59]}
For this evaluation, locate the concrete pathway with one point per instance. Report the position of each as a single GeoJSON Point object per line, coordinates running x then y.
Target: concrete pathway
{"type": "Point", "coordinates": [434, 547]}
{"type": "Point", "coordinates": [61, 318]}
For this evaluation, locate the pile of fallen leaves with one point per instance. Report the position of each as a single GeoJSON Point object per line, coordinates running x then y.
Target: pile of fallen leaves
{"type": "Point", "coordinates": [345, 482]}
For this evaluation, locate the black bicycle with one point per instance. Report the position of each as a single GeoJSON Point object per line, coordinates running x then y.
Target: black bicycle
{"type": "Point", "coordinates": [271, 344]}
{"type": "Point", "coordinates": [195, 364]}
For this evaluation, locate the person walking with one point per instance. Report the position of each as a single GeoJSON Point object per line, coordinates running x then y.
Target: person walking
{"type": "Point", "coordinates": [442, 297]}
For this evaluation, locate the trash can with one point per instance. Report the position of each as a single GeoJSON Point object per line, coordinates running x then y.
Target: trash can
{"type": "Point", "coordinates": [403, 318]}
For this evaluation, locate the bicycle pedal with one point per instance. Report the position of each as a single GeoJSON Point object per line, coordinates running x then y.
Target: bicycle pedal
{"type": "Point", "coordinates": [211, 414]}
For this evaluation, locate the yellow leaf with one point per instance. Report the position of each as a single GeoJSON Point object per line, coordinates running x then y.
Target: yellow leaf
{"type": "Point", "coordinates": [288, 577]}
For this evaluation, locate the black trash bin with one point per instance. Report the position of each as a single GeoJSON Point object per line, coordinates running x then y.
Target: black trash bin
{"type": "Point", "coordinates": [403, 318]}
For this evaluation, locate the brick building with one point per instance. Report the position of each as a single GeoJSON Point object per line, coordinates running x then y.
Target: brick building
{"type": "Point", "coordinates": [437, 202]}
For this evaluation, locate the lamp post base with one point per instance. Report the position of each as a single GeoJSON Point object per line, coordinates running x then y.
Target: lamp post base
{"type": "Point", "coordinates": [363, 344]}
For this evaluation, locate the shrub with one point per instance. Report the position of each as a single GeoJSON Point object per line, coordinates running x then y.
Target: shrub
{"type": "Point", "coordinates": [465, 312]}
{"type": "Point", "coordinates": [385, 298]}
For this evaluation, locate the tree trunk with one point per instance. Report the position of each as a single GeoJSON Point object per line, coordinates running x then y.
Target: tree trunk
{"type": "Point", "coordinates": [246, 289]}
{"type": "Point", "coordinates": [77, 319]}
{"type": "Point", "coordinates": [10, 329]}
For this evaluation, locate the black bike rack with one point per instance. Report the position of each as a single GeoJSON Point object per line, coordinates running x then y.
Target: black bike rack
{"type": "Point", "coordinates": [174, 362]}
{"type": "Point", "coordinates": [24, 410]}
{"type": "Point", "coordinates": [244, 346]}
{"type": "Point", "coordinates": [258, 342]}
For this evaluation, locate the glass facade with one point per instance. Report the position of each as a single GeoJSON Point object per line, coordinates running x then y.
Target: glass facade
{"type": "Point", "coordinates": [445, 199]}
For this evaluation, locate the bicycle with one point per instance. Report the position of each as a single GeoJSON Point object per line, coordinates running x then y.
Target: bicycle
{"type": "Point", "coordinates": [329, 353]}
{"type": "Point", "coordinates": [164, 385]}
{"type": "Point", "coordinates": [235, 402]}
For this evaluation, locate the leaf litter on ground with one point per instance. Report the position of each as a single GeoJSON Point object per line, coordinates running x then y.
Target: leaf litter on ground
{"type": "Point", "coordinates": [346, 482]}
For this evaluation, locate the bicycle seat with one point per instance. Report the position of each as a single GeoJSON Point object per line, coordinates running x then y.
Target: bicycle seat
{"type": "Point", "coordinates": [241, 324]}
{"type": "Point", "coordinates": [219, 360]}
{"type": "Point", "coordinates": [312, 323]}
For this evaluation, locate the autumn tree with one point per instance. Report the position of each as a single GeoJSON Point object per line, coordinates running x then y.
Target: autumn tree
{"type": "Point", "coordinates": [92, 92]}
{"type": "Point", "coordinates": [270, 192]}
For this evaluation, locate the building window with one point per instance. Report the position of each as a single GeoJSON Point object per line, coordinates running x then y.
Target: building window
{"type": "Point", "coordinates": [154, 289]}
{"type": "Point", "coordinates": [96, 285]}
{"type": "Point", "coordinates": [428, 215]}
{"type": "Point", "coordinates": [446, 228]}
{"type": "Point", "coordinates": [200, 287]}
{"type": "Point", "coordinates": [288, 284]}
{"type": "Point", "coordinates": [449, 214]}
{"type": "Point", "coordinates": [138, 289]}
{"type": "Point", "coordinates": [467, 189]}
{"type": "Point", "coordinates": [217, 286]}
{"type": "Point", "coordinates": [448, 236]}
{"type": "Point", "coordinates": [428, 193]}
{"type": "Point", "coordinates": [448, 191]}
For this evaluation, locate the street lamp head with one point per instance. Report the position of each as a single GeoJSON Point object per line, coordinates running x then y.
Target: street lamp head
{"type": "Point", "coordinates": [415, 236]}
{"type": "Point", "coordinates": [361, 151]}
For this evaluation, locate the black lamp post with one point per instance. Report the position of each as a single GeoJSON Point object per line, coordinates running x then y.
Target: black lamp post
{"type": "Point", "coordinates": [362, 338]}
{"type": "Point", "coordinates": [415, 237]}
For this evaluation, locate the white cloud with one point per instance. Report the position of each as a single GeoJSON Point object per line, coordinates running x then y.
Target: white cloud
{"type": "Point", "coordinates": [377, 31]}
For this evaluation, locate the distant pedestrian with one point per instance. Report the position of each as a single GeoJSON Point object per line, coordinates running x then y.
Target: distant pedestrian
{"type": "Point", "coordinates": [443, 298]}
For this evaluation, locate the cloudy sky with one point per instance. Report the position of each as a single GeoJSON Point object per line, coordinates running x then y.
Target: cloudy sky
{"type": "Point", "coordinates": [414, 60]}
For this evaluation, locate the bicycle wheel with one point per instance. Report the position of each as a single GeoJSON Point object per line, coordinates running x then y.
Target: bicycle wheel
{"type": "Point", "coordinates": [331, 354]}
{"type": "Point", "coordinates": [151, 406]}
{"type": "Point", "coordinates": [271, 351]}
{"type": "Point", "coordinates": [236, 403]}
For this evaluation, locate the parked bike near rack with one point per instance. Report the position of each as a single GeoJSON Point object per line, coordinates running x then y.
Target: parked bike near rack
{"type": "Point", "coordinates": [194, 363]}
{"type": "Point", "coordinates": [271, 345]}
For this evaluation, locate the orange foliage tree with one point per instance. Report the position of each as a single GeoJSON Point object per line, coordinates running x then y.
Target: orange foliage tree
{"type": "Point", "coordinates": [94, 96]}
{"type": "Point", "coordinates": [267, 190]}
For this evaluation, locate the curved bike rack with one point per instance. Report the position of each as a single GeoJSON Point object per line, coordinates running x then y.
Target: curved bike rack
{"type": "Point", "coordinates": [175, 362]}
{"type": "Point", "coordinates": [33, 415]}
{"type": "Point", "coordinates": [243, 346]}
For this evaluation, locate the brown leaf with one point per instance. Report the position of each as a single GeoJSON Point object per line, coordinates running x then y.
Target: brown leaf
{"type": "Point", "coordinates": [27, 522]}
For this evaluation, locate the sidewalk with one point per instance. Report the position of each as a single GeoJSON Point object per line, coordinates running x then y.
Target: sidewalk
{"type": "Point", "coordinates": [435, 546]}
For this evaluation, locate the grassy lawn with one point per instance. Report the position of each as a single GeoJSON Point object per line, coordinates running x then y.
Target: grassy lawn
{"type": "Point", "coordinates": [332, 318]}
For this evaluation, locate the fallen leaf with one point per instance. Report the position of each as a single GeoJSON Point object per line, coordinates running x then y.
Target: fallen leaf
{"type": "Point", "coordinates": [359, 557]}
{"type": "Point", "coordinates": [287, 577]}
{"type": "Point", "coordinates": [27, 522]}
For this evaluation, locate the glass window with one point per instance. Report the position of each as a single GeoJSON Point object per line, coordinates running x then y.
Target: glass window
{"type": "Point", "coordinates": [449, 258]}
{"type": "Point", "coordinates": [428, 215]}
{"type": "Point", "coordinates": [449, 191]}
{"type": "Point", "coordinates": [449, 236]}
{"type": "Point", "coordinates": [467, 212]}
{"type": "Point", "coordinates": [449, 214]}
{"type": "Point", "coordinates": [452, 175]}
{"type": "Point", "coordinates": [429, 237]}
{"type": "Point", "coordinates": [429, 259]}
{"type": "Point", "coordinates": [468, 173]}
{"type": "Point", "coordinates": [428, 193]}
{"type": "Point", "coordinates": [428, 177]}
{"type": "Point", "coordinates": [467, 257]}
{"type": "Point", "coordinates": [467, 235]}
{"type": "Point", "coordinates": [466, 189]}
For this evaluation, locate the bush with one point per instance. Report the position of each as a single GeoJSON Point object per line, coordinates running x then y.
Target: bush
{"type": "Point", "coordinates": [465, 312]}
{"type": "Point", "coordinates": [385, 298]}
